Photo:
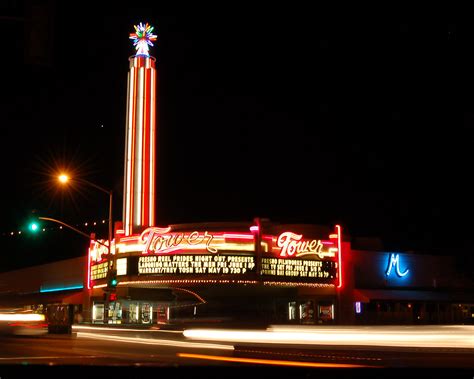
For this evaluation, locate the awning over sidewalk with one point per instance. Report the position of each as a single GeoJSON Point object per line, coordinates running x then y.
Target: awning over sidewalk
{"type": "Point", "coordinates": [366, 295]}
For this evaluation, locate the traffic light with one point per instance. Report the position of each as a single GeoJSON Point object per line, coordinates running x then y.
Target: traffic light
{"type": "Point", "coordinates": [112, 280]}
{"type": "Point", "coordinates": [113, 296]}
{"type": "Point", "coordinates": [33, 226]}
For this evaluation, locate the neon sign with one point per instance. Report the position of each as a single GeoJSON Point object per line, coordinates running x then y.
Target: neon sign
{"type": "Point", "coordinates": [311, 268]}
{"type": "Point", "coordinates": [100, 248]}
{"type": "Point", "coordinates": [142, 38]}
{"type": "Point", "coordinates": [291, 244]}
{"type": "Point", "coordinates": [195, 264]}
{"type": "Point", "coordinates": [394, 261]}
{"type": "Point", "coordinates": [358, 308]}
{"type": "Point", "coordinates": [167, 251]}
{"type": "Point", "coordinates": [99, 271]}
{"type": "Point", "coordinates": [157, 240]}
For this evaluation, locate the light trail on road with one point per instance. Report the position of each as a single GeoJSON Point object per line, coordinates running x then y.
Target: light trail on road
{"type": "Point", "coordinates": [412, 336]}
{"type": "Point", "coordinates": [154, 341]}
{"type": "Point", "coordinates": [269, 361]}
{"type": "Point", "coordinates": [91, 328]}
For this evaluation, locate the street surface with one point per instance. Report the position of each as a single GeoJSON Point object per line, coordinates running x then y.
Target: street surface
{"type": "Point", "coordinates": [91, 347]}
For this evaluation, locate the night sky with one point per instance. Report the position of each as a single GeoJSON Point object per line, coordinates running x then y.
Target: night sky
{"type": "Point", "coordinates": [287, 116]}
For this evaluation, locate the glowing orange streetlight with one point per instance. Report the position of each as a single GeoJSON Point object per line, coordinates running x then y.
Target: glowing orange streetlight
{"type": "Point", "coordinates": [63, 178]}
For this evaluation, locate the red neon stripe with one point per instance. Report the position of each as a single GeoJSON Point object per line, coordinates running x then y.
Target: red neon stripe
{"type": "Point", "coordinates": [153, 148]}
{"type": "Point", "coordinates": [89, 269]}
{"type": "Point", "coordinates": [236, 236]}
{"type": "Point", "coordinates": [128, 153]}
{"type": "Point", "coordinates": [143, 146]}
{"type": "Point", "coordinates": [132, 165]}
{"type": "Point", "coordinates": [130, 238]}
{"type": "Point", "coordinates": [129, 178]}
{"type": "Point", "coordinates": [150, 150]}
{"type": "Point", "coordinates": [146, 150]}
{"type": "Point", "coordinates": [127, 115]}
{"type": "Point", "coordinates": [339, 255]}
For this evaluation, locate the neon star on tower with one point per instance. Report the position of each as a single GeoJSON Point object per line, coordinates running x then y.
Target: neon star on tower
{"type": "Point", "coordinates": [140, 154]}
{"type": "Point", "coordinates": [142, 38]}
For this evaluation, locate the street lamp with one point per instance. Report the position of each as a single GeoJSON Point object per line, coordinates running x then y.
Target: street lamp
{"type": "Point", "coordinates": [63, 178]}
{"type": "Point", "coordinates": [111, 272]}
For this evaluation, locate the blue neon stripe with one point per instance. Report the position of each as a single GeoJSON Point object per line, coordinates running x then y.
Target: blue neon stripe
{"type": "Point", "coordinates": [62, 288]}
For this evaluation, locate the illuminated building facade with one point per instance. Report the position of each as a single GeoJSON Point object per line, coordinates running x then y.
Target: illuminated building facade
{"type": "Point", "coordinates": [255, 272]}
{"type": "Point", "coordinates": [258, 257]}
{"type": "Point", "coordinates": [243, 271]}
{"type": "Point", "coordinates": [213, 273]}
{"type": "Point", "coordinates": [266, 261]}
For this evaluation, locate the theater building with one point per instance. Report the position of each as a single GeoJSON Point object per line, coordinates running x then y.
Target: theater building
{"type": "Point", "coordinates": [256, 272]}
{"type": "Point", "coordinates": [261, 272]}
{"type": "Point", "coordinates": [248, 274]}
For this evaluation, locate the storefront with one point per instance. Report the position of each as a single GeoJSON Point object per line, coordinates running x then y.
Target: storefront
{"type": "Point", "coordinates": [406, 288]}
{"type": "Point", "coordinates": [218, 272]}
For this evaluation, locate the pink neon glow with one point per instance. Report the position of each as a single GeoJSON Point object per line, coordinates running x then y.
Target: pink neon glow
{"type": "Point", "coordinates": [89, 269]}
{"type": "Point", "coordinates": [152, 149]}
{"type": "Point", "coordinates": [339, 255]}
{"type": "Point", "coordinates": [291, 244]}
{"type": "Point", "coordinates": [132, 238]}
{"type": "Point", "coordinates": [171, 249]}
{"type": "Point", "coordinates": [137, 210]}
{"type": "Point", "coordinates": [157, 240]}
{"type": "Point", "coordinates": [128, 152]}
{"type": "Point", "coordinates": [143, 185]}
{"type": "Point", "coordinates": [238, 236]}
{"type": "Point", "coordinates": [327, 243]}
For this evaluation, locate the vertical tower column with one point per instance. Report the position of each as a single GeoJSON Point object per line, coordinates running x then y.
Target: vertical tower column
{"type": "Point", "coordinates": [140, 154]}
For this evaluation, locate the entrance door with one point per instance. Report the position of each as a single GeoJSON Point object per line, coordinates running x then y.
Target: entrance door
{"type": "Point", "coordinates": [306, 312]}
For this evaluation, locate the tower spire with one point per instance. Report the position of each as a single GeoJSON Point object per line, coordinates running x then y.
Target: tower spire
{"type": "Point", "coordinates": [140, 154]}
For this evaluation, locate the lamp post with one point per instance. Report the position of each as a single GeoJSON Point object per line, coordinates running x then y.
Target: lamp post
{"type": "Point", "coordinates": [63, 178]}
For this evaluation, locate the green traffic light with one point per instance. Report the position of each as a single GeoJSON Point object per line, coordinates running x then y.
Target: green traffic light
{"type": "Point", "coordinates": [114, 282]}
{"type": "Point", "coordinates": [34, 227]}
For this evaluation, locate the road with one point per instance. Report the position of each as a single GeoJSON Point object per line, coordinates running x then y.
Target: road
{"type": "Point", "coordinates": [90, 348]}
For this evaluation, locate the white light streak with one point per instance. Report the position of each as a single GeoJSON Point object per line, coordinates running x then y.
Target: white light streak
{"type": "Point", "coordinates": [414, 336]}
{"type": "Point", "coordinates": [154, 341]}
{"type": "Point", "coordinates": [21, 317]}
{"type": "Point", "coordinates": [90, 328]}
